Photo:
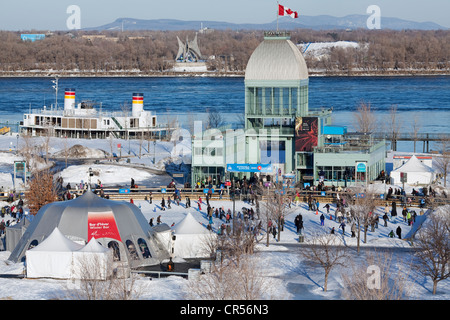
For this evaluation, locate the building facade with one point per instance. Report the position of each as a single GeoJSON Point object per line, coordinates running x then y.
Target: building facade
{"type": "Point", "coordinates": [281, 130]}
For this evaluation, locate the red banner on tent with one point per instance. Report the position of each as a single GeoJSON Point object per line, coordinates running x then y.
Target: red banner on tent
{"type": "Point", "coordinates": [102, 225]}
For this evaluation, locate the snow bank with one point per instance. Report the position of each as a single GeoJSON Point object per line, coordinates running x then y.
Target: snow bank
{"type": "Point", "coordinates": [109, 175]}
{"type": "Point", "coordinates": [321, 49]}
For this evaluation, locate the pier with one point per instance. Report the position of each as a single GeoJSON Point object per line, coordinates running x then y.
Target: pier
{"type": "Point", "coordinates": [425, 138]}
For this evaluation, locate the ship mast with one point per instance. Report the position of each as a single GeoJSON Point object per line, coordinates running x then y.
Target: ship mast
{"type": "Point", "coordinates": [55, 86]}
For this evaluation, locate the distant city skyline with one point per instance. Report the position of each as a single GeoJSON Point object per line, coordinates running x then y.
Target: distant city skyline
{"type": "Point", "coordinates": [52, 15]}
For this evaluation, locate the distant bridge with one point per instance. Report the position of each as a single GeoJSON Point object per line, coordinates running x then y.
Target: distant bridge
{"type": "Point", "coordinates": [425, 138]}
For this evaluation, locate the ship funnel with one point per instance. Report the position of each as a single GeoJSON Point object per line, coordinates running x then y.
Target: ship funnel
{"type": "Point", "coordinates": [138, 104]}
{"type": "Point", "coordinates": [69, 99]}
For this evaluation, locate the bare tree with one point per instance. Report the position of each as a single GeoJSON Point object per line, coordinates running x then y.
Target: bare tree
{"type": "Point", "coordinates": [375, 278]}
{"type": "Point", "coordinates": [274, 209]}
{"type": "Point", "coordinates": [66, 149]}
{"type": "Point", "coordinates": [97, 279]}
{"type": "Point", "coordinates": [362, 210]}
{"type": "Point", "coordinates": [27, 150]}
{"type": "Point", "coordinates": [394, 126]}
{"type": "Point", "coordinates": [230, 280]}
{"type": "Point", "coordinates": [215, 119]}
{"type": "Point", "coordinates": [433, 247]}
{"type": "Point", "coordinates": [326, 251]}
{"type": "Point", "coordinates": [442, 160]}
{"type": "Point", "coordinates": [49, 133]}
{"type": "Point", "coordinates": [125, 108]}
{"type": "Point", "coordinates": [416, 125]}
{"type": "Point", "coordinates": [141, 142]}
{"type": "Point", "coordinates": [365, 120]}
{"type": "Point", "coordinates": [111, 144]}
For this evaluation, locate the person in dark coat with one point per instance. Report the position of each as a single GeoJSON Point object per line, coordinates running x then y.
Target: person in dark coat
{"type": "Point", "coordinates": [342, 226]}
{"type": "Point", "coordinates": [322, 219]}
{"type": "Point", "coordinates": [274, 231]}
{"type": "Point", "coordinates": [404, 213]}
{"type": "Point", "coordinates": [385, 218]}
{"type": "Point", "coordinates": [399, 232]}
{"type": "Point", "coordinates": [394, 209]}
{"type": "Point", "coordinates": [297, 221]}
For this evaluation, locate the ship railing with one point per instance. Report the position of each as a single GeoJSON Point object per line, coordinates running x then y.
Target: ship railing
{"type": "Point", "coordinates": [75, 112]}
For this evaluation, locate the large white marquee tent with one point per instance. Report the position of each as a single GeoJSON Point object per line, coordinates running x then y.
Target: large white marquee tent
{"type": "Point", "coordinates": [114, 224]}
{"type": "Point", "coordinates": [416, 173]}
{"type": "Point", "coordinates": [61, 258]}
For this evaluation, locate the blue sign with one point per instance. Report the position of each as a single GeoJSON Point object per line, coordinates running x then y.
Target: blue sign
{"type": "Point", "coordinates": [361, 167]}
{"type": "Point", "coordinates": [124, 190]}
{"type": "Point", "coordinates": [248, 167]}
{"type": "Point", "coordinates": [163, 190]}
{"type": "Point", "coordinates": [206, 190]}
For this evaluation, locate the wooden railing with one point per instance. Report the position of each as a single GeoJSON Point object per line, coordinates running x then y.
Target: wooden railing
{"type": "Point", "coordinates": [143, 193]}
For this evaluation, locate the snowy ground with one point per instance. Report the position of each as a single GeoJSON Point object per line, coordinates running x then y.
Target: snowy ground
{"type": "Point", "coordinates": [292, 278]}
{"type": "Point", "coordinates": [322, 49]}
{"type": "Point", "coordinates": [149, 164]}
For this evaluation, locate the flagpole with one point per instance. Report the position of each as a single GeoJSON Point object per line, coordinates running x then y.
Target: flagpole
{"type": "Point", "coordinates": [278, 6]}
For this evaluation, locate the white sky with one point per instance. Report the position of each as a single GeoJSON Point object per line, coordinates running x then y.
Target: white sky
{"type": "Point", "coordinates": [51, 14]}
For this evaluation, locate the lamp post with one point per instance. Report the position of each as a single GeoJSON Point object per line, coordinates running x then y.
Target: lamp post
{"type": "Point", "coordinates": [89, 179]}
{"type": "Point", "coordinates": [154, 151]}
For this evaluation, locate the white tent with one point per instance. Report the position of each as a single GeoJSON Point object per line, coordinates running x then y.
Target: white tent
{"type": "Point", "coordinates": [60, 258]}
{"type": "Point", "coordinates": [52, 258]}
{"type": "Point", "coordinates": [115, 224]}
{"type": "Point", "coordinates": [416, 171]}
{"type": "Point", "coordinates": [192, 238]}
{"type": "Point", "coordinates": [93, 261]}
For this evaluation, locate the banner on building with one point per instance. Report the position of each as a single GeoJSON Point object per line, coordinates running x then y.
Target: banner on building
{"type": "Point", "coordinates": [248, 167]}
{"type": "Point", "coordinates": [306, 133]}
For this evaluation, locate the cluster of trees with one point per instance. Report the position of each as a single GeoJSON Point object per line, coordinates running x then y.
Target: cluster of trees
{"type": "Point", "coordinates": [386, 50]}
{"type": "Point", "coordinates": [224, 50]}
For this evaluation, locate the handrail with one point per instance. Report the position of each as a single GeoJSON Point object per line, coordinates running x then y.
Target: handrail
{"type": "Point", "coordinates": [117, 123]}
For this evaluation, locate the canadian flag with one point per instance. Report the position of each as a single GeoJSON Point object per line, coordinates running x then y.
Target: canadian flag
{"type": "Point", "coordinates": [284, 11]}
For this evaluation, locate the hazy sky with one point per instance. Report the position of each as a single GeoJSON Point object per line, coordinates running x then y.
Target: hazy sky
{"type": "Point", "coordinates": [51, 14]}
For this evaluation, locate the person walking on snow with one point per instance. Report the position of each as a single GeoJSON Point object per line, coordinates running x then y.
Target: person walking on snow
{"type": "Point", "coordinates": [386, 219]}
{"type": "Point", "coordinates": [163, 204]}
{"type": "Point", "coordinates": [322, 219]}
{"type": "Point", "coordinates": [342, 226]}
{"type": "Point", "coordinates": [399, 232]}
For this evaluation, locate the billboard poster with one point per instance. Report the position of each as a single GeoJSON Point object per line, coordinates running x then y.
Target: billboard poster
{"type": "Point", "coordinates": [102, 225]}
{"type": "Point", "coordinates": [306, 133]}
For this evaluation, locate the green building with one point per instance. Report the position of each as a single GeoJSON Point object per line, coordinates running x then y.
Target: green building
{"type": "Point", "coordinates": [282, 130]}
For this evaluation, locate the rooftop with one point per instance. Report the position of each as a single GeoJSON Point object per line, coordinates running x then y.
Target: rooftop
{"type": "Point", "coordinates": [276, 58]}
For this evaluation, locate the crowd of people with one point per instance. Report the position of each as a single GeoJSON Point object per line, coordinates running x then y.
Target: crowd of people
{"type": "Point", "coordinates": [250, 219]}
{"type": "Point", "coordinates": [13, 212]}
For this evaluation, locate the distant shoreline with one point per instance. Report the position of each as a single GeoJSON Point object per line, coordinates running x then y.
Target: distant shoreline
{"type": "Point", "coordinates": [212, 74]}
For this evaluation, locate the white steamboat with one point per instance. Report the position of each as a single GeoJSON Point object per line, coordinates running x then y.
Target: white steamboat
{"type": "Point", "coordinates": [83, 121]}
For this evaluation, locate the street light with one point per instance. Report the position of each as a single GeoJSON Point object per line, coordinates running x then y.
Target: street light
{"type": "Point", "coordinates": [17, 145]}
{"type": "Point", "coordinates": [90, 175]}
{"type": "Point", "coordinates": [154, 151]}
